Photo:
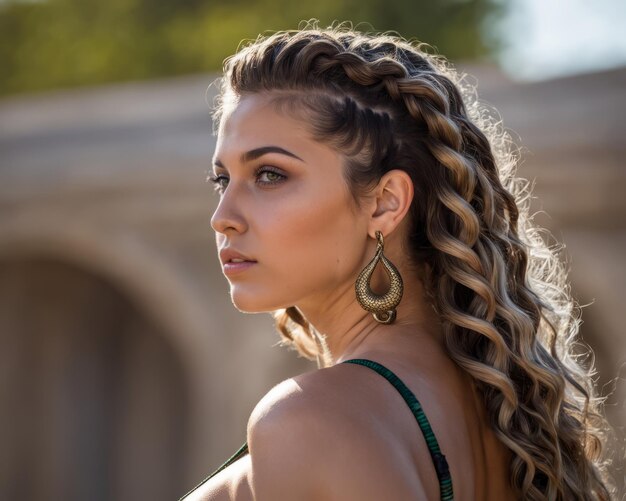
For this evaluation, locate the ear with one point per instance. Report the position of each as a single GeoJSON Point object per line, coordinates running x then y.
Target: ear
{"type": "Point", "coordinates": [393, 197]}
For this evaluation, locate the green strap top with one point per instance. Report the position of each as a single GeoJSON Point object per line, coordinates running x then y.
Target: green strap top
{"type": "Point", "coordinates": [243, 450]}
{"type": "Point", "coordinates": [439, 460]}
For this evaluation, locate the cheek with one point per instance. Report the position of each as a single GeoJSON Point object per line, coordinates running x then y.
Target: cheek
{"type": "Point", "coordinates": [319, 237]}
{"type": "Point", "coordinates": [308, 243]}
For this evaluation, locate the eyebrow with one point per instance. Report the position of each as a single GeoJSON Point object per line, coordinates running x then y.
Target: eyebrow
{"type": "Point", "coordinates": [258, 152]}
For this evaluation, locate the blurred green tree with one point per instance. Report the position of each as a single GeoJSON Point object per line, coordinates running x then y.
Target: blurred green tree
{"type": "Point", "coordinates": [48, 44]}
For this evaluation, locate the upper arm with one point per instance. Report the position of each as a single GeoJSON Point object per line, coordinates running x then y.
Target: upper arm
{"type": "Point", "coordinates": [318, 448]}
{"type": "Point", "coordinates": [232, 483]}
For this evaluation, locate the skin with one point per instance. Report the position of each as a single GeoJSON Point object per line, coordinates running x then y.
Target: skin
{"type": "Point", "coordinates": [310, 242]}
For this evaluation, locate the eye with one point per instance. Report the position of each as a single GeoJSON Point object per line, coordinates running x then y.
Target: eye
{"type": "Point", "coordinates": [267, 175]}
{"type": "Point", "coordinates": [217, 182]}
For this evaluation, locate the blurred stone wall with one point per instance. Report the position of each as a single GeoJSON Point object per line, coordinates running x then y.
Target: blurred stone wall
{"type": "Point", "coordinates": [126, 371]}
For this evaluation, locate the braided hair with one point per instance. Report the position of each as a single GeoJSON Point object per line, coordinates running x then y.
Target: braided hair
{"type": "Point", "coordinates": [385, 103]}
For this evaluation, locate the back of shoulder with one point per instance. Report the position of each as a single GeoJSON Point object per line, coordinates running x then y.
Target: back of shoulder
{"type": "Point", "coordinates": [308, 440]}
{"type": "Point", "coordinates": [284, 433]}
{"type": "Point", "coordinates": [321, 397]}
{"type": "Point", "coordinates": [289, 416]}
{"type": "Point", "coordinates": [305, 393]}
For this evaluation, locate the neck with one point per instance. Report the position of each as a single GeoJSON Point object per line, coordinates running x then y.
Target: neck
{"type": "Point", "coordinates": [350, 332]}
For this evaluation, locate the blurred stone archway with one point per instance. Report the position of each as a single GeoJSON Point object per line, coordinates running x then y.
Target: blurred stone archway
{"type": "Point", "coordinates": [82, 367]}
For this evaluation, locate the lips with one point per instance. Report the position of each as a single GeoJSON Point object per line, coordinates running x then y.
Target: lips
{"type": "Point", "coordinates": [228, 254]}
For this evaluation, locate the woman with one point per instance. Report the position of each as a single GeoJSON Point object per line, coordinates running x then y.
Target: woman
{"type": "Point", "coordinates": [369, 203]}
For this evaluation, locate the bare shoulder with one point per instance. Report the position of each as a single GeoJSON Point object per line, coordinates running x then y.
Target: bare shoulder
{"type": "Point", "coordinates": [312, 437]}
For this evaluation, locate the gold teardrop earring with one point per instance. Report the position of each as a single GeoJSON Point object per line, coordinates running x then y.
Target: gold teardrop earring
{"type": "Point", "coordinates": [383, 307]}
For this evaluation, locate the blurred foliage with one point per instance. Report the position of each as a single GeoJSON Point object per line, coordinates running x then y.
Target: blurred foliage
{"type": "Point", "coordinates": [66, 43]}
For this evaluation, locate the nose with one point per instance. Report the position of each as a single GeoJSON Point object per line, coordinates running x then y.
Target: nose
{"type": "Point", "coordinates": [227, 216]}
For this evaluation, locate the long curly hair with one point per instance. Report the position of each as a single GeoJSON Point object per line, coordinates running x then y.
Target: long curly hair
{"type": "Point", "coordinates": [384, 102]}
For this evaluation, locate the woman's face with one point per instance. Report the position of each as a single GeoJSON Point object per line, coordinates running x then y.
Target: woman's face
{"type": "Point", "coordinates": [293, 216]}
